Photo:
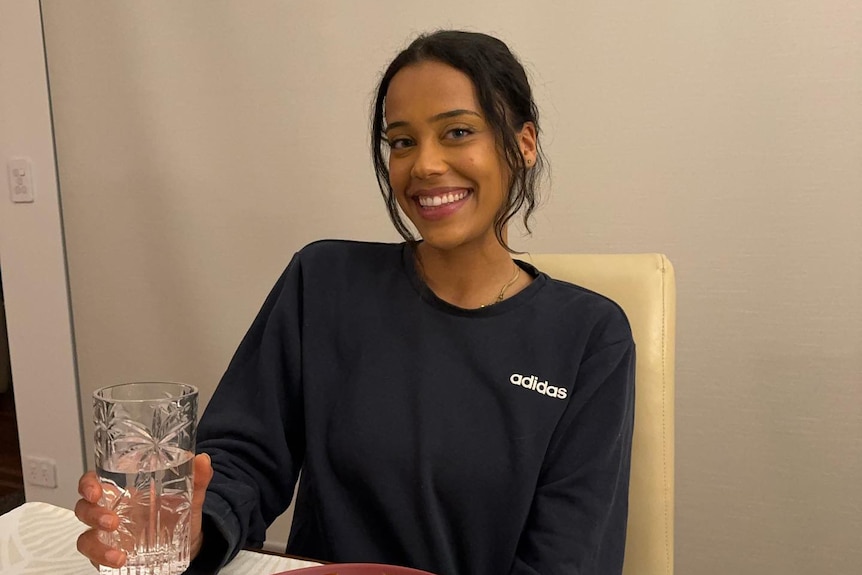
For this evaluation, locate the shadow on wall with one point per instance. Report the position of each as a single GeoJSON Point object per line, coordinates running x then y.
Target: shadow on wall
{"type": "Point", "coordinates": [11, 476]}
{"type": "Point", "coordinates": [5, 363]}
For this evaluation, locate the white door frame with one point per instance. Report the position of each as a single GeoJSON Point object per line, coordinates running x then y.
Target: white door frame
{"type": "Point", "coordinates": [32, 254]}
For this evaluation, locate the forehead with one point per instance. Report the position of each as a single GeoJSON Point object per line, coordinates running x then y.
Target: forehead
{"type": "Point", "coordinates": [429, 88]}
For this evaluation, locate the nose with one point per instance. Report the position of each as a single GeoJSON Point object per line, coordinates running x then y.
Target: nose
{"type": "Point", "coordinates": [429, 161]}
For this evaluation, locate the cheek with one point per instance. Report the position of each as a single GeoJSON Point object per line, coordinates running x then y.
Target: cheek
{"type": "Point", "coordinates": [398, 176]}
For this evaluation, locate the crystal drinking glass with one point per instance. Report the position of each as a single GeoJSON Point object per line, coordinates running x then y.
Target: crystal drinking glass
{"type": "Point", "coordinates": [144, 443]}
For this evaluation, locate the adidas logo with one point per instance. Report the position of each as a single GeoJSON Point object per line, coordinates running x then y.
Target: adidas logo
{"type": "Point", "coordinates": [532, 382]}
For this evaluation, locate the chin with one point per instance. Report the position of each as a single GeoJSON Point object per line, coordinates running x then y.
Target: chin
{"type": "Point", "coordinates": [439, 241]}
{"type": "Point", "coordinates": [446, 242]}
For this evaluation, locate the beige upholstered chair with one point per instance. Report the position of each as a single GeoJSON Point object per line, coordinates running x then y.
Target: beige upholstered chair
{"type": "Point", "coordinates": [643, 284]}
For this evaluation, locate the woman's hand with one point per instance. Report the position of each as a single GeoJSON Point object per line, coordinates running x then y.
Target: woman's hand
{"type": "Point", "coordinates": [100, 518]}
{"type": "Point", "coordinates": [203, 475]}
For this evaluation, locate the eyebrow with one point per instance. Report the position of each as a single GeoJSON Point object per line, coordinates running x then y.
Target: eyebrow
{"type": "Point", "coordinates": [437, 118]}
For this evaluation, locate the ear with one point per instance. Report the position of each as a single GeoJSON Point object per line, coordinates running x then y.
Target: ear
{"type": "Point", "coordinates": [527, 141]}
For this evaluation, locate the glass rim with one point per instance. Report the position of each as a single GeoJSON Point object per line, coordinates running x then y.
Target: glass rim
{"type": "Point", "coordinates": [188, 390]}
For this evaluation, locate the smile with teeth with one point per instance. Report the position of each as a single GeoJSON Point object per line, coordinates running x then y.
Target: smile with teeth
{"type": "Point", "coordinates": [442, 200]}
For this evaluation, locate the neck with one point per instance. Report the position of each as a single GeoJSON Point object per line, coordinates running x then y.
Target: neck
{"type": "Point", "coordinates": [469, 277]}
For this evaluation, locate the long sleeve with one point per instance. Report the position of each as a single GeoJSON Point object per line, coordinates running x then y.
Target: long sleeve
{"type": "Point", "coordinates": [577, 521]}
{"type": "Point", "coordinates": [456, 441]}
{"type": "Point", "coordinates": [253, 429]}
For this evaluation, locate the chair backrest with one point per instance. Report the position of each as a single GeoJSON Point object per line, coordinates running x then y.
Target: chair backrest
{"type": "Point", "coordinates": [644, 286]}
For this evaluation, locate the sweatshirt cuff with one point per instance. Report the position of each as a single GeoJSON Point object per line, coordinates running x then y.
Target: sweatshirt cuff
{"type": "Point", "coordinates": [220, 530]}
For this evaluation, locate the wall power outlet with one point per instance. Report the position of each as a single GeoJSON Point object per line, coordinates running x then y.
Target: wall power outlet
{"type": "Point", "coordinates": [40, 471]}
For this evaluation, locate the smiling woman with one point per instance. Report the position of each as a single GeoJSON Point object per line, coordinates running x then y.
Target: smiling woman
{"type": "Point", "coordinates": [480, 72]}
{"type": "Point", "coordinates": [444, 167]}
{"type": "Point", "coordinates": [451, 408]}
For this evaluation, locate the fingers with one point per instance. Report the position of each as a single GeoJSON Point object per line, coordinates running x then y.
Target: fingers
{"type": "Point", "coordinates": [88, 510]}
{"type": "Point", "coordinates": [96, 516]}
{"type": "Point", "coordinates": [89, 487]}
{"type": "Point", "coordinates": [97, 552]}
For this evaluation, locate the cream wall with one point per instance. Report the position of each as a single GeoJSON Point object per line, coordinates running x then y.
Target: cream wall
{"type": "Point", "coordinates": [201, 143]}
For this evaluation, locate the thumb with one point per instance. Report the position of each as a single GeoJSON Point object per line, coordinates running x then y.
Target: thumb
{"type": "Point", "coordinates": [203, 474]}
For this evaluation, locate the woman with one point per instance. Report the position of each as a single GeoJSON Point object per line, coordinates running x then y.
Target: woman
{"type": "Point", "coordinates": [451, 408]}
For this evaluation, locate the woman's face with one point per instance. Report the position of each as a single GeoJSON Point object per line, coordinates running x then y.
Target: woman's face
{"type": "Point", "coordinates": [445, 165]}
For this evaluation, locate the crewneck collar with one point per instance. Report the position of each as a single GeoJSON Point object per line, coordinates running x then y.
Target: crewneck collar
{"type": "Point", "coordinates": [525, 295]}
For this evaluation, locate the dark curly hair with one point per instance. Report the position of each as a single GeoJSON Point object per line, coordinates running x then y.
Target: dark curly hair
{"type": "Point", "coordinates": [506, 100]}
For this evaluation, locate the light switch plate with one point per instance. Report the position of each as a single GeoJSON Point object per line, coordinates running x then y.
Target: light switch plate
{"type": "Point", "coordinates": [21, 180]}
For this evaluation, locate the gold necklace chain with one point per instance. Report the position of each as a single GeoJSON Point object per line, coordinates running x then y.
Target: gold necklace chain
{"type": "Point", "coordinates": [505, 287]}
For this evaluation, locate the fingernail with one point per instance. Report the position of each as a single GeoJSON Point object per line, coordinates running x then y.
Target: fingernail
{"type": "Point", "coordinates": [91, 495]}
{"type": "Point", "coordinates": [114, 557]}
{"type": "Point", "coordinates": [106, 521]}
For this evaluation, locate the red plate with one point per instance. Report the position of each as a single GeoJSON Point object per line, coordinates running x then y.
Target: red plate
{"type": "Point", "coordinates": [355, 569]}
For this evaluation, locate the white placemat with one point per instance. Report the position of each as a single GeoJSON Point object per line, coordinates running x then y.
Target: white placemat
{"type": "Point", "coordinates": [39, 539]}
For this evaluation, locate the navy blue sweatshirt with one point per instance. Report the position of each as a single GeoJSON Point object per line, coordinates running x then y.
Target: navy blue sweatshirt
{"type": "Point", "coordinates": [476, 442]}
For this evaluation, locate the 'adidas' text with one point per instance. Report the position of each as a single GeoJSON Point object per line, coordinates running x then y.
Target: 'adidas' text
{"type": "Point", "coordinates": [532, 382]}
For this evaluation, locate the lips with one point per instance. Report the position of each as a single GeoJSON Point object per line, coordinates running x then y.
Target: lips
{"type": "Point", "coordinates": [438, 203]}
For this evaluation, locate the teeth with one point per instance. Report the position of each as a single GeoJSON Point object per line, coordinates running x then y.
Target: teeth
{"type": "Point", "coordinates": [434, 201]}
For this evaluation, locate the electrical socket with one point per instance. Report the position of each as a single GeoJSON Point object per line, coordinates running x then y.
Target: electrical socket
{"type": "Point", "coordinates": [20, 180]}
{"type": "Point", "coordinates": [40, 471]}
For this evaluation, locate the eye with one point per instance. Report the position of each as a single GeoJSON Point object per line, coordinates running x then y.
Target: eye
{"type": "Point", "coordinates": [399, 143]}
{"type": "Point", "coordinates": [458, 133]}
